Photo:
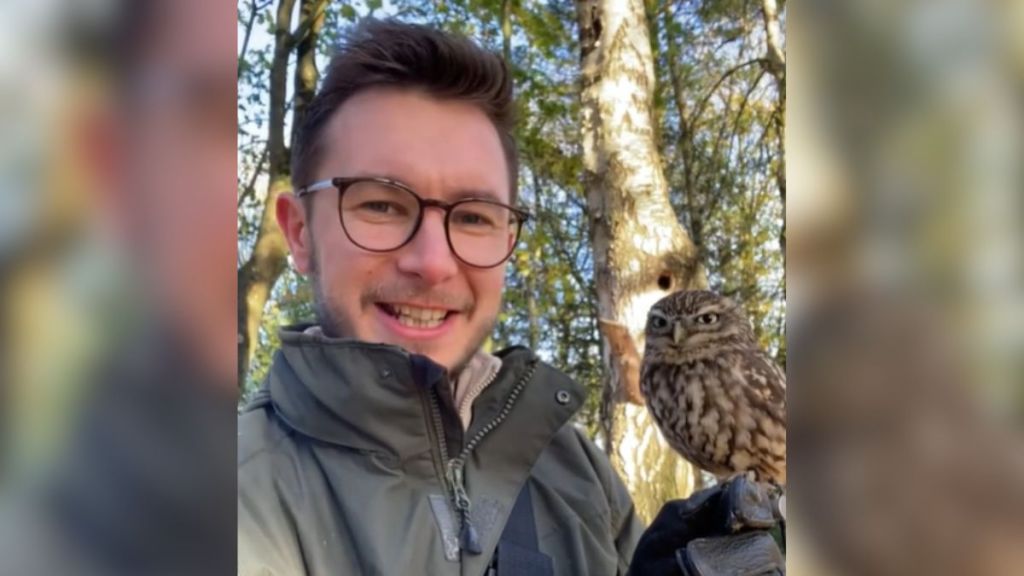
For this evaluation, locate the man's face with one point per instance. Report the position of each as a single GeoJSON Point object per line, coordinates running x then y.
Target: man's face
{"type": "Point", "coordinates": [440, 149]}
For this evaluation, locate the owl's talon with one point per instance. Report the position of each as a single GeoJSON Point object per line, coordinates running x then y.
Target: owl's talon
{"type": "Point", "coordinates": [780, 507]}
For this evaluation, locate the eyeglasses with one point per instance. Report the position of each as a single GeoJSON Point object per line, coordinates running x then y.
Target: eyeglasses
{"type": "Point", "coordinates": [382, 215]}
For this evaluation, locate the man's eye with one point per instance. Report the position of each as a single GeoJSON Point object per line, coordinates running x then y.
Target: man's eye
{"type": "Point", "coordinates": [381, 207]}
{"type": "Point", "coordinates": [377, 206]}
{"type": "Point", "coordinates": [470, 219]}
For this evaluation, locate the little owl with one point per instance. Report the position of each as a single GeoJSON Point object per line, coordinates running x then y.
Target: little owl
{"type": "Point", "coordinates": [717, 397]}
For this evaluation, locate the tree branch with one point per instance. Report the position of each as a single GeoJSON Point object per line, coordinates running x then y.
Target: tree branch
{"type": "Point", "coordinates": [691, 123]}
{"type": "Point", "coordinates": [307, 23]}
{"type": "Point", "coordinates": [255, 7]}
{"type": "Point", "coordinates": [250, 188]}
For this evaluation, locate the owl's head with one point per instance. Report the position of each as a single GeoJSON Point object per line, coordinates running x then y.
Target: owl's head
{"type": "Point", "coordinates": [695, 320]}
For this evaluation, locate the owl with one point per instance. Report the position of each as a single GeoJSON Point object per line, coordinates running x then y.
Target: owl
{"type": "Point", "coordinates": [719, 400]}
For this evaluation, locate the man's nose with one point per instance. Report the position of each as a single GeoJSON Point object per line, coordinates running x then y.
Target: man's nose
{"type": "Point", "coordinates": [428, 254]}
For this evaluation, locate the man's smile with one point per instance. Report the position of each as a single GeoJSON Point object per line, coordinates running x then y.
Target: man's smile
{"type": "Point", "coordinates": [407, 321]}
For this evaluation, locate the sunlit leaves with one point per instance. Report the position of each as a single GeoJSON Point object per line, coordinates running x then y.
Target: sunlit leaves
{"type": "Point", "coordinates": [720, 164]}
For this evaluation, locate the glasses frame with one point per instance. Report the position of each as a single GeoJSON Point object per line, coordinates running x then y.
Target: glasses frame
{"type": "Point", "coordinates": [342, 184]}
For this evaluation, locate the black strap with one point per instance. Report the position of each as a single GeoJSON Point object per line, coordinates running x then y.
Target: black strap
{"type": "Point", "coordinates": [518, 549]}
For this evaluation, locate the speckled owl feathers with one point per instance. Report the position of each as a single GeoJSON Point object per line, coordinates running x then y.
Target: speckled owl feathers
{"type": "Point", "coordinates": [719, 400]}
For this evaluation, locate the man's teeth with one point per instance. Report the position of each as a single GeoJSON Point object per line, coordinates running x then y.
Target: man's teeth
{"type": "Point", "coordinates": [420, 317]}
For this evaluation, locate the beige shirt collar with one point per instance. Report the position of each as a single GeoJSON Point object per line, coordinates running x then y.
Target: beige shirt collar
{"type": "Point", "coordinates": [474, 378]}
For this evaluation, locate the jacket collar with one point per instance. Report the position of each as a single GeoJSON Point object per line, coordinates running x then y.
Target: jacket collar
{"type": "Point", "coordinates": [480, 371]}
{"type": "Point", "coordinates": [361, 395]}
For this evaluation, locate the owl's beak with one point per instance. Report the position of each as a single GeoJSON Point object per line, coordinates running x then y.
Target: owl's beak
{"type": "Point", "coordinates": [678, 332]}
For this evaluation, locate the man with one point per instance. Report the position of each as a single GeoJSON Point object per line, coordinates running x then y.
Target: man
{"type": "Point", "coordinates": [385, 439]}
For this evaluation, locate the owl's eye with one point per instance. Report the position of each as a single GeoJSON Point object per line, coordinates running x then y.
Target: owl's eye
{"type": "Point", "coordinates": [709, 318]}
{"type": "Point", "coordinates": [658, 322]}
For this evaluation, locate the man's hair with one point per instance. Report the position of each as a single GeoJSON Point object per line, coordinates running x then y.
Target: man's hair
{"type": "Point", "coordinates": [389, 53]}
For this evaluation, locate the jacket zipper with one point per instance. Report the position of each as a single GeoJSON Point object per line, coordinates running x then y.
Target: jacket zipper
{"type": "Point", "coordinates": [455, 482]}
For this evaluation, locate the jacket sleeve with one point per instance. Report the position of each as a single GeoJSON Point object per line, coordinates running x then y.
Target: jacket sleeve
{"type": "Point", "coordinates": [264, 547]}
{"type": "Point", "coordinates": [625, 524]}
{"type": "Point", "coordinates": [628, 526]}
{"type": "Point", "coordinates": [268, 543]}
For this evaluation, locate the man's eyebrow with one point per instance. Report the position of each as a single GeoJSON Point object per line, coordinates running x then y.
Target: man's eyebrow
{"type": "Point", "coordinates": [454, 196]}
{"type": "Point", "coordinates": [482, 193]}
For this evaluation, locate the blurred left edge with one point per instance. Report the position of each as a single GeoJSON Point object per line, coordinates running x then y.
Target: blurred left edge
{"type": "Point", "coordinates": [118, 383]}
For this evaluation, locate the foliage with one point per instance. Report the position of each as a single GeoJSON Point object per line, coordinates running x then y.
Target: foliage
{"type": "Point", "coordinates": [718, 114]}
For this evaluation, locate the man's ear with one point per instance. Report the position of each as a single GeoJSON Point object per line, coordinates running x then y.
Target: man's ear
{"type": "Point", "coordinates": [292, 218]}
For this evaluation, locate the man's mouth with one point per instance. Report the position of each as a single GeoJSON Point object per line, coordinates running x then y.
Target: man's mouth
{"type": "Point", "coordinates": [415, 317]}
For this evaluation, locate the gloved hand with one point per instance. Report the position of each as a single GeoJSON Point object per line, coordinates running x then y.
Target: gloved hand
{"type": "Point", "coordinates": [718, 531]}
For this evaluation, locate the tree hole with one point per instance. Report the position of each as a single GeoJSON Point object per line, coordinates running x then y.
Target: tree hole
{"type": "Point", "coordinates": [665, 281]}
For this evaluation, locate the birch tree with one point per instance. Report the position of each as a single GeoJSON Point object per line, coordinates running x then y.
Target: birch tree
{"type": "Point", "coordinates": [640, 251]}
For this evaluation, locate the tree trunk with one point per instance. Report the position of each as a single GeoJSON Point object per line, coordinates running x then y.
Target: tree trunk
{"type": "Point", "coordinates": [774, 53]}
{"type": "Point", "coordinates": [775, 64]}
{"type": "Point", "coordinates": [506, 31]}
{"type": "Point", "coordinates": [641, 252]}
{"type": "Point", "coordinates": [306, 75]}
{"type": "Point", "coordinates": [256, 278]}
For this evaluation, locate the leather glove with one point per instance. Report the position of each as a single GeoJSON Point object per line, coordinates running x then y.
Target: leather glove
{"type": "Point", "coordinates": [722, 530]}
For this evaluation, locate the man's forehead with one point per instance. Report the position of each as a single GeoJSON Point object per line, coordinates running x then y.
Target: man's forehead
{"type": "Point", "coordinates": [459, 157]}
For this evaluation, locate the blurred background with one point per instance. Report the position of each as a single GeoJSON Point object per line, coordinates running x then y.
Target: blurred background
{"type": "Point", "coordinates": [889, 282]}
{"type": "Point", "coordinates": [906, 287]}
{"type": "Point", "coordinates": [117, 387]}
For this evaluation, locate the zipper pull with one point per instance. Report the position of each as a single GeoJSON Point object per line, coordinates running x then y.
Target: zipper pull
{"type": "Point", "coordinates": [468, 536]}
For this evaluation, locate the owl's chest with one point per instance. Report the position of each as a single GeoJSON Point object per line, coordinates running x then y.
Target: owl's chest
{"type": "Point", "coordinates": [691, 402]}
{"type": "Point", "coordinates": [683, 391]}
{"type": "Point", "coordinates": [674, 379]}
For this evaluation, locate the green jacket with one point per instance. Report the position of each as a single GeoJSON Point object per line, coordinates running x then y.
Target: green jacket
{"type": "Point", "coordinates": [342, 467]}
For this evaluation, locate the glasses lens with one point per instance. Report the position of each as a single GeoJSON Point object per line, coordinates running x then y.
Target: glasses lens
{"type": "Point", "coordinates": [378, 216]}
{"type": "Point", "coordinates": [482, 234]}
